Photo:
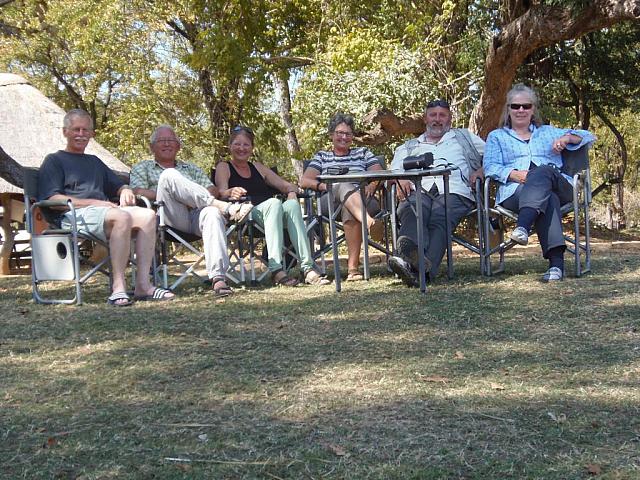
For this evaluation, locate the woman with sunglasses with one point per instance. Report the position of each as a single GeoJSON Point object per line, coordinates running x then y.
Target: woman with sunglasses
{"type": "Point", "coordinates": [241, 177]}
{"type": "Point", "coordinates": [524, 156]}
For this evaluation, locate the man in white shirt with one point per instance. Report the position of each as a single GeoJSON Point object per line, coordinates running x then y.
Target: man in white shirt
{"type": "Point", "coordinates": [452, 147]}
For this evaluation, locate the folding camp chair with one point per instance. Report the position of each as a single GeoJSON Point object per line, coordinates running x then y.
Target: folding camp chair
{"type": "Point", "coordinates": [576, 164]}
{"type": "Point", "coordinates": [180, 253]}
{"type": "Point", "coordinates": [172, 244]}
{"type": "Point", "coordinates": [473, 223]}
{"type": "Point", "coordinates": [57, 253]}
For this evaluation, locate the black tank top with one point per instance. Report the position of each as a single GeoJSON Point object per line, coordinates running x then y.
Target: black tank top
{"type": "Point", "coordinates": [256, 187]}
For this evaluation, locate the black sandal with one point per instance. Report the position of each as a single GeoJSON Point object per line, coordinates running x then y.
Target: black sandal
{"type": "Point", "coordinates": [280, 277]}
{"type": "Point", "coordinates": [119, 299]}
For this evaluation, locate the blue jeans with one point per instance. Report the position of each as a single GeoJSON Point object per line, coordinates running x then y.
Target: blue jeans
{"type": "Point", "coordinates": [545, 190]}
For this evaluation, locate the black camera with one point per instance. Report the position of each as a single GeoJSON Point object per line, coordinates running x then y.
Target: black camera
{"type": "Point", "coordinates": [418, 162]}
{"type": "Point", "coordinates": [337, 170]}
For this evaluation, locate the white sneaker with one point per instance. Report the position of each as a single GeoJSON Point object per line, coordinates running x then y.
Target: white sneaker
{"type": "Point", "coordinates": [520, 236]}
{"type": "Point", "coordinates": [554, 274]}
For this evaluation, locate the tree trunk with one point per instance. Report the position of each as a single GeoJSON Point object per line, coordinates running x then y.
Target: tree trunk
{"type": "Point", "coordinates": [10, 170]}
{"type": "Point", "coordinates": [617, 201]}
{"type": "Point", "coordinates": [618, 219]}
{"type": "Point", "coordinates": [539, 26]}
{"type": "Point", "coordinates": [221, 102]}
{"type": "Point", "coordinates": [281, 79]}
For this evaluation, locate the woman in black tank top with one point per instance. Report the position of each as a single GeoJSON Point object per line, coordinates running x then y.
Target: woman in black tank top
{"type": "Point", "coordinates": [239, 178]}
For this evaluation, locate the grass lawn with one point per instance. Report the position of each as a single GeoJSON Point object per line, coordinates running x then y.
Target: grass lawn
{"type": "Point", "coordinates": [481, 378]}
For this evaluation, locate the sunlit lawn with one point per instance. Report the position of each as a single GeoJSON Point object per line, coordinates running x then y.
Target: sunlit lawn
{"type": "Point", "coordinates": [480, 378]}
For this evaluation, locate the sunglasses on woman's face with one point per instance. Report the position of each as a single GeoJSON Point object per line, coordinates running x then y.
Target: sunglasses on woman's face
{"type": "Point", "coordinates": [518, 106]}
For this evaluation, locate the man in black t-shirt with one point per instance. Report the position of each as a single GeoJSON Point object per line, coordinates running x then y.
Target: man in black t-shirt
{"type": "Point", "coordinates": [90, 185]}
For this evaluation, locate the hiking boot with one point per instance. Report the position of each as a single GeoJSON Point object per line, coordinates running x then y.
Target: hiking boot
{"type": "Point", "coordinates": [408, 249]}
{"type": "Point", "coordinates": [404, 270]}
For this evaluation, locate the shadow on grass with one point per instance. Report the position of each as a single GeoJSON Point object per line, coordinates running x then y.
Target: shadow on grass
{"type": "Point", "coordinates": [494, 378]}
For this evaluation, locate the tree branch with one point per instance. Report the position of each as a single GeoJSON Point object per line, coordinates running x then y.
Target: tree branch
{"type": "Point", "coordinates": [10, 170]}
{"type": "Point", "coordinates": [540, 26]}
{"type": "Point", "coordinates": [287, 62]}
{"type": "Point", "coordinates": [179, 30]}
{"type": "Point", "coordinates": [619, 137]}
{"type": "Point", "coordinates": [9, 30]}
{"type": "Point", "coordinates": [389, 125]}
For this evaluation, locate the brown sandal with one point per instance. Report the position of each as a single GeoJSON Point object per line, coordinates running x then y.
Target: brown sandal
{"type": "Point", "coordinates": [354, 275]}
{"type": "Point", "coordinates": [280, 277]}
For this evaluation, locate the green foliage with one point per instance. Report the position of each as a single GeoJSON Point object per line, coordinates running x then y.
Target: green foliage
{"type": "Point", "coordinates": [597, 73]}
{"type": "Point", "coordinates": [207, 65]}
{"type": "Point", "coordinates": [359, 73]}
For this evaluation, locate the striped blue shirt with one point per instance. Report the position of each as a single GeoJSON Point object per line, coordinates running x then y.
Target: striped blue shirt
{"type": "Point", "coordinates": [357, 160]}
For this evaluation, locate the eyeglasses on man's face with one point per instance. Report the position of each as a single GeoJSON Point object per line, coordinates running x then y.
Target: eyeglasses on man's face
{"type": "Point", "coordinates": [518, 106]}
{"type": "Point", "coordinates": [77, 130]}
{"type": "Point", "coordinates": [166, 140]}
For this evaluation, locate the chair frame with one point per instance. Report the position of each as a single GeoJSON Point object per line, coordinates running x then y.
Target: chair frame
{"type": "Point", "coordinates": [67, 239]}
{"type": "Point", "coordinates": [318, 220]}
{"type": "Point", "coordinates": [184, 243]}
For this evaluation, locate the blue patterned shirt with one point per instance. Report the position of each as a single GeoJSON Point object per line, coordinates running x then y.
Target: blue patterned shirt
{"type": "Point", "coordinates": [505, 152]}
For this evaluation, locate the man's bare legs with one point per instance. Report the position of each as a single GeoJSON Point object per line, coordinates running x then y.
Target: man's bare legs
{"type": "Point", "coordinates": [120, 224]}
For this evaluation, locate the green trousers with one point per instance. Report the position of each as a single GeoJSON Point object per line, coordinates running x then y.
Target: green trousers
{"type": "Point", "coordinates": [273, 216]}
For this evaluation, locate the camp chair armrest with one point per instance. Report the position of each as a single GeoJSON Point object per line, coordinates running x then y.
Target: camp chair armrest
{"type": "Point", "coordinates": [52, 203]}
{"type": "Point", "coordinates": [144, 200]}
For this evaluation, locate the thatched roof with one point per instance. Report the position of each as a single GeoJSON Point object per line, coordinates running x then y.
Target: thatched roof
{"type": "Point", "coordinates": [31, 127]}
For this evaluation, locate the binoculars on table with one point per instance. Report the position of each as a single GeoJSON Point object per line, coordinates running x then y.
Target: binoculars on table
{"type": "Point", "coordinates": [418, 162]}
{"type": "Point", "coordinates": [337, 170]}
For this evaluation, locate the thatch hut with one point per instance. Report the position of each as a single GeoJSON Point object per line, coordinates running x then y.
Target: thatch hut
{"type": "Point", "coordinates": [30, 128]}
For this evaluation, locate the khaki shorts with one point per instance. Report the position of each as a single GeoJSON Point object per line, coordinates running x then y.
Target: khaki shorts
{"type": "Point", "coordinates": [90, 221]}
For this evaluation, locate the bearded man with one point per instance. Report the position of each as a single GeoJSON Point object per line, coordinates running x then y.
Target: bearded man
{"type": "Point", "coordinates": [457, 148]}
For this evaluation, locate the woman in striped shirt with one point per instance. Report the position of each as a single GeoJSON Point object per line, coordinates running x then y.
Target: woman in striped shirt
{"type": "Point", "coordinates": [358, 159]}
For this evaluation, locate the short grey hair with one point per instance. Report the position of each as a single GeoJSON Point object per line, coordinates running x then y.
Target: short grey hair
{"type": "Point", "coordinates": [76, 112]}
{"type": "Point", "coordinates": [518, 89]}
{"type": "Point", "coordinates": [164, 126]}
{"type": "Point", "coordinates": [339, 118]}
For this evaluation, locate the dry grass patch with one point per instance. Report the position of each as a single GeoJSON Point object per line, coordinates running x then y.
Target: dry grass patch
{"type": "Point", "coordinates": [481, 378]}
